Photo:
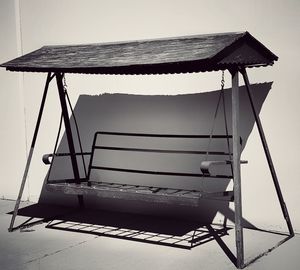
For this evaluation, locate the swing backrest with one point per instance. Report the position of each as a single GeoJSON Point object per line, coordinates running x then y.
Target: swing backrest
{"type": "Point", "coordinates": [156, 159]}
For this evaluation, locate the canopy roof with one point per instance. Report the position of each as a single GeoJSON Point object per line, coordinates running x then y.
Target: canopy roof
{"type": "Point", "coordinates": [158, 56]}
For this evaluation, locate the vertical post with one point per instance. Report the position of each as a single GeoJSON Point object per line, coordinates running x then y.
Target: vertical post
{"type": "Point", "coordinates": [237, 171]}
{"type": "Point", "coordinates": [25, 174]}
{"type": "Point", "coordinates": [268, 155]}
{"type": "Point", "coordinates": [59, 80]}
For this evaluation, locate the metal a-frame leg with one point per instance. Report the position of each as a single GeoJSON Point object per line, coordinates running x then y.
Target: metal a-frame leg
{"type": "Point", "coordinates": [237, 171]}
{"type": "Point", "coordinates": [25, 174]}
{"type": "Point", "coordinates": [268, 155]}
{"type": "Point", "coordinates": [62, 97]}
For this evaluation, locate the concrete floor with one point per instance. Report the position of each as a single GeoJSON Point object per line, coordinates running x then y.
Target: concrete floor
{"type": "Point", "coordinates": [42, 248]}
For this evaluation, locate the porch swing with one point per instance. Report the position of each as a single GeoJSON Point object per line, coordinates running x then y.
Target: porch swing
{"type": "Point", "coordinates": [104, 188]}
{"type": "Point", "coordinates": [201, 53]}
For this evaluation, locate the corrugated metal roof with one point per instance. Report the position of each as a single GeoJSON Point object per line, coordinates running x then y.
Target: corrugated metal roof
{"type": "Point", "coordinates": [172, 55]}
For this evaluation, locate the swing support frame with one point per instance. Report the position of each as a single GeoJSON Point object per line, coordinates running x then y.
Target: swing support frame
{"type": "Point", "coordinates": [235, 69]}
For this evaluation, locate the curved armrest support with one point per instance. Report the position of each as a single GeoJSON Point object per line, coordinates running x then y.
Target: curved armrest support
{"type": "Point", "coordinates": [46, 159]}
{"type": "Point", "coordinates": [205, 165]}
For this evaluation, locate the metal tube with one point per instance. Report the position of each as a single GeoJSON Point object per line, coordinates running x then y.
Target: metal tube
{"type": "Point", "coordinates": [237, 171]}
{"type": "Point", "coordinates": [37, 126]}
{"type": "Point", "coordinates": [268, 155]}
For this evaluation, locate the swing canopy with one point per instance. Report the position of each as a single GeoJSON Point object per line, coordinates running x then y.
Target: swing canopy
{"type": "Point", "coordinates": [198, 53]}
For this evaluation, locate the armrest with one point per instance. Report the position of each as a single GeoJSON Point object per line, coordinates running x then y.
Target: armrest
{"type": "Point", "coordinates": [46, 159]}
{"type": "Point", "coordinates": [205, 165]}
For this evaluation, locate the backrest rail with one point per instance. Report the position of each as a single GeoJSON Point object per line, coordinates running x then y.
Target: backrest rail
{"type": "Point", "coordinates": [161, 150]}
{"type": "Point", "coordinates": [96, 146]}
{"type": "Point", "coordinates": [163, 135]}
{"type": "Point", "coordinates": [159, 172]}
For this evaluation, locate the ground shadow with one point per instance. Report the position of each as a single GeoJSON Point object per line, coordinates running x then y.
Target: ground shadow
{"type": "Point", "coordinates": [157, 230]}
{"type": "Point", "coordinates": [172, 232]}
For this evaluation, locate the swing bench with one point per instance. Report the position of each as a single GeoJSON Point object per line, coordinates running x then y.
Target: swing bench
{"type": "Point", "coordinates": [141, 192]}
{"type": "Point", "coordinates": [233, 52]}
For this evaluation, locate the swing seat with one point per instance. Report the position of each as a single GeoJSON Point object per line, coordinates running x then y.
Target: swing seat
{"type": "Point", "coordinates": [141, 192]}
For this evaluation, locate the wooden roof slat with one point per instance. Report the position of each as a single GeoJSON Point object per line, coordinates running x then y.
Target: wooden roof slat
{"type": "Point", "coordinates": [171, 55]}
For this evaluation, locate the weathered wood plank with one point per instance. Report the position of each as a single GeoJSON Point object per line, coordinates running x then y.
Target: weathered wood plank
{"type": "Point", "coordinates": [237, 170]}
{"type": "Point", "coordinates": [169, 55]}
{"type": "Point", "coordinates": [137, 193]}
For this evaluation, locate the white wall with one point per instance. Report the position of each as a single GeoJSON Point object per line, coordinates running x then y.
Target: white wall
{"type": "Point", "coordinates": [12, 130]}
{"type": "Point", "coordinates": [275, 23]}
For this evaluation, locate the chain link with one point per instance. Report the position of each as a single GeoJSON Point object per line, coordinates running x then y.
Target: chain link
{"type": "Point", "coordinates": [65, 83]}
{"type": "Point", "coordinates": [222, 80]}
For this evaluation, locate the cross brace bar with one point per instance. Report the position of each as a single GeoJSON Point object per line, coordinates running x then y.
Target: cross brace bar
{"type": "Point", "coordinates": [268, 155]}
{"type": "Point", "coordinates": [37, 126]}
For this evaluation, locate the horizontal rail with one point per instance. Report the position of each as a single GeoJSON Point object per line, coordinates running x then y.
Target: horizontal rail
{"type": "Point", "coordinates": [161, 150]}
{"type": "Point", "coordinates": [159, 172]}
{"type": "Point", "coordinates": [219, 195]}
{"type": "Point", "coordinates": [68, 154]}
{"type": "Point", "coordinates": [46, 157]}
{"type": "Point", "coordinates": [70, 180]}
{"type": "Point", "coordinates": [163, 135]}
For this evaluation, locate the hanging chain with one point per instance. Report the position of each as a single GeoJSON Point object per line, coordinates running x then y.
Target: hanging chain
{"type": "Point", "coordinates": [222, 80]}
{"type": "Point", "coordinates": [225, 119]}
{"type": "Point", "coordinates": [216, 113]}
{"type": "Point", "coordinates": [214, 120]}
{"type": "Point", "coordinates": [65, 83]}
{"type": "Point", "coordinates": [65, 86]}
